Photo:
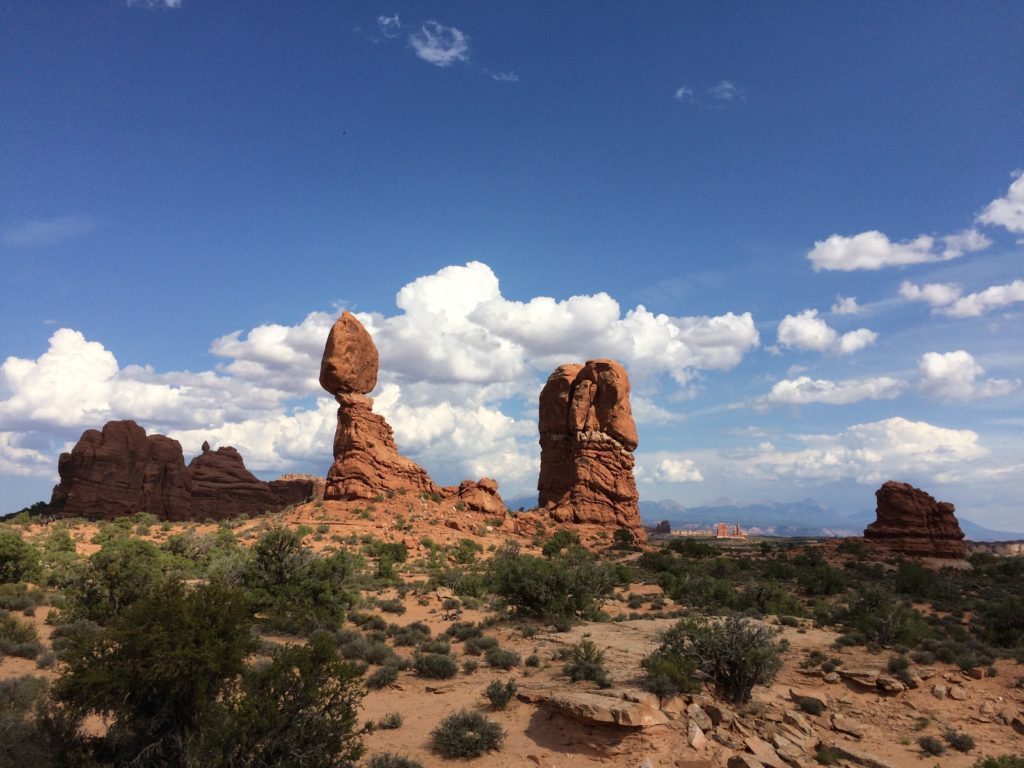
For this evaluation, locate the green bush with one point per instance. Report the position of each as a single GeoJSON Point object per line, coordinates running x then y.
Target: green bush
{"type": "Point", "coordinates": [500, 694]}
{"type": "Point", "coordinates": [586, 662]}
{"type": "Point", "coordinates": [561, 539]}
{"type": "Point", "coordinates": [18, 638]}
{"type": "Point", "coordinates": [389, 760]}
{"type": "Point", "coordinates": [476, 645]}
{"type": "Point", "coordinates": [1002, 761]}
{"type": "Point", "coordinates": [931, 745]}
{"type": "Point", "coordinates": [735, 653]}
{"type": "Point", "coordinates": [435, 666]}
{"type": "Point", "coordinates": [502, 659]}
{"type": "Point", "coordinates": [114, 578]}
{"type": "Point", "coordinates": [958, 740]}
{"type": "Point", "coordinates": [390, 721]}
{"type": "Point", "coordinates": [466, 734]}
{"type": "Point", "coordinates": [878, 617]}
{"type": "Point", "coordinates": [559, 589]}
{"type": "Point", "coordinates": [19, 560]}
{"type": "Point", "coordinates": [382, 677]}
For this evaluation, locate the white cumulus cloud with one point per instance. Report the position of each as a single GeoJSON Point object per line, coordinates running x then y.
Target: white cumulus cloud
{"type": "Point", "coordinates": [935, 294]}
{"type": "Point", "coordinates": [440, 45]}
{"type": "Point", "coordinates": [846, 305]}
{"type": "Point", "coordinates": [873, 250]}
{"type": "Point", "coordinates": [947, 298]}
{"type": "Point", "coordinates": [676, 471]}
{"type": "Point", "coordinates": [806, 331]}
{"type": "Point", "coordinates": [1008, 211]}
{"type": "Point", "coordinates": [869, 453]}
{"type": "Point", "coordinates": [804, 390]}
{"type": "Point", "coordinates": [955, 376]}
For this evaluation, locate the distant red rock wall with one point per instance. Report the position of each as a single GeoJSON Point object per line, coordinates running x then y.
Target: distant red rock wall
{"type": "Point", "coordinates": [911, 522]}
{"type": "Point", "coordinates": [120, 471]}
{"type": "Point", "coordinates": [587, 439]}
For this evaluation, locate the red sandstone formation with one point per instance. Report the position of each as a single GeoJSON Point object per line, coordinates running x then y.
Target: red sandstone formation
{"type": "Point", "coordinates": [121, 471]}
{"type": "Point", "coordinates": [367, 463]}
{"type": "Point", "coordinates": [587, 438]}
{"type": "Point", "coordinates": [913, 523]}
{"type": "Point", "coordinates": [482, 496]}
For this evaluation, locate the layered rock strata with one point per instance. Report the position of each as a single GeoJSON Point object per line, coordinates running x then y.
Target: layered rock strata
{"type": "Point", "coordinates": [587, 439]}
{"type": "Point", "coordinates": [913, 523]}
{"type": "Point", "coordinates": [120, 471]}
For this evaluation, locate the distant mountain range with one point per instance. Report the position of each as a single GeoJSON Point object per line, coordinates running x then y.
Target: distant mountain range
{"type": "Point", "coordinates": [806, 517]}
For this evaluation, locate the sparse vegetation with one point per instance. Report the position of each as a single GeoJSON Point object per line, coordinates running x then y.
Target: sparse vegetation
{"type": "Point", "coordinates": [466, 734]}
{"type": "Point", "coordinates": [586, 662]}
{"type": "Point", "coordinates": [499, 693]}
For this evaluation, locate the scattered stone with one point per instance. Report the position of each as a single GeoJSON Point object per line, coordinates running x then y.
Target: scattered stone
{"type": "Point", "coordinates": [957, 693]}
{"type": "Point", "coordinates": [673, 706]}
{"type": "Point", "coordinates": [939, 691]}
{"type": "Point", "coordinates": [699, 716]}
{"type": "Point", "coordinates": [831, 677]}
{"type": "Point", "coordinates": [600, 709]}
{"type": "Point", "coordinates": [911, 522]}
{"type": "Point", "coordinates": [764, 752]}
{"type": "Point", "coordinates": [977, 673]}
{"type": "Point", "coordinates": [798, 721]}
{"type": "Point", "coordinates": [796, 694]}
{"type": "Point", "coordinates": [717, 714]}
{"type": "Point", "coordinates": [866, 677]}
{"type": "Point", "coordinates": [743, 760]}
{"type": "Point", "coordinates": [890, 684]}
{"type": "Point", "coordinates": [846, 725]}
{"type": "Point", "coordinates": [855, 756]}
{"type": "Point", "coordinates": [695, 736]}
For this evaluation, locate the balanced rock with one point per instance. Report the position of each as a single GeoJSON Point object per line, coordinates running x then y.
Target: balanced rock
{"type": "Point", "coordinates": [350, 360]}
{"type": "Point", "coordinates": [367, 463]}
{"type": "Point", "coordinates": [587, 439]}
{"type": "Point", "coordinates": [120, 471]}
{"type": "Point", "coordinates": [913, 523]}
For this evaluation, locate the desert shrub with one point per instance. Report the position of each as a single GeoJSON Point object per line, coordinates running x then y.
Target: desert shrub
{"type": "Point", "coordinates": [469, 666]}
{"type": "Point", "coordinates": [465, 551]}
{"type": "Point", "coordinates": [382, 677]}
{"type": "Point", "coordinates": [500, 694]}
{"type": "Point", "coordinates": [931, 745]}
{"type": "Point", "coordinates": [394, 551]}
{"type": "Point", "coordinates": [1003, 622]}
{"type": "Point", "coordinates": [390, 721]}
{"type": "Point", "coordinates": [391, 606]}
{"type": "Point", "coordinates": [771, 597]}
{"type": "Point", "coordinates": [18, 638]}
{"type": "Point", "coordinates": [809, 704]}
{"type": "Point", "coordinates": [558, 589]}
{"type": "Point", "coordinates": [827, 755]}
{"type": "Point", "coordinates": [877, 616]}
{"type": "Point", "coordinates": [19, 560]}
{"type": "Point", "coordinates": [623, 538]}
{"type": "Point", "coordinates": [1002, 761]}
{"type": "Point", "coordinates": [586, 662]}
{"type": "Point", "coordinates": [466, 734]}
{"type": "Point", "coordinates": [114, 578]}
{"type": "Point", "coordinates": [735, 653]}
{"type": "Point", "coordinates": [389, 760]}
{"type": "Point", "coordinates": [692, 548]}
{"type": "Point", "coordinates": [435, 666]}
{"type": "Point", "coordinates": [822, 579]}
{"type": "Point", "coordinates": [435, 646]}
{"type": "Point", "coordinates": [474, 646]}
{"type": "Point", "coordinates": [561, 539]}
{"type": "Point", "coordinates": [958, 740]}
{"type": "Point", "coordinates": [463, 630]}
{"type": "Point", "coordinates": [533, 660]}
{"type": "Point", "coordinates": [500, 658]}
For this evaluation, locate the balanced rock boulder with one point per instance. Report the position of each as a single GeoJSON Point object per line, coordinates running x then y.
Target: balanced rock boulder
{"type": "Point", "coordinates": [119, 471]}
{"type": "Point", "coordinates": [913, 523]}
{"type": "Point", "coordinates": [587, 439]}
{"type": "Point", "coordinates": [367, 463]}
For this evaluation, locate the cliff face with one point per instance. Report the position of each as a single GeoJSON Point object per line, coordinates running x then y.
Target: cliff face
{"type": "Point", "coordinates": [911, 522]}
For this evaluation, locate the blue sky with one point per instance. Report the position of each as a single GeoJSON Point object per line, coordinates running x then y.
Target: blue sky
{"type": "Point", "coordinates": [798, 225]}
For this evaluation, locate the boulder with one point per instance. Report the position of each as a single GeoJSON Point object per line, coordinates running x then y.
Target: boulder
{"type": "Point", "coordinates": [587, 439]}
{"type": "Point", "coordinates": [481, 496]}
{"type": "Point", "coordinates": [120, 471]}
{"type": "Point", "coordinates": [913, 523]}
{"type": "Point", "coordinates": [349, 362]}
{"type": "Point", "coordinates": [594, 708]}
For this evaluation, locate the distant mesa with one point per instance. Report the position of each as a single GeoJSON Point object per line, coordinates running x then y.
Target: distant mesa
{"type": "Point", "coordinates": [121, 470]}
{"type": "Point", "coordinates": [913, 523]}
{"type": "Point", "coordinates": [587, 439]}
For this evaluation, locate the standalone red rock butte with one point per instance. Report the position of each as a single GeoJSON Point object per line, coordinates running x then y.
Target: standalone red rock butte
{"type": "Point", "coordinates": [587, 439]}
{"type": "Point", "coordinates": [911, 522]}
{"type": "Point", "coordinates": [121, 471]}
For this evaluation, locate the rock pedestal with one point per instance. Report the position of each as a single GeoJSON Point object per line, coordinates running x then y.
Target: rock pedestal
{"type": "Point", "coordinates": [911, 522]}
{"type": "Point", "coordinates": [587, 439]}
